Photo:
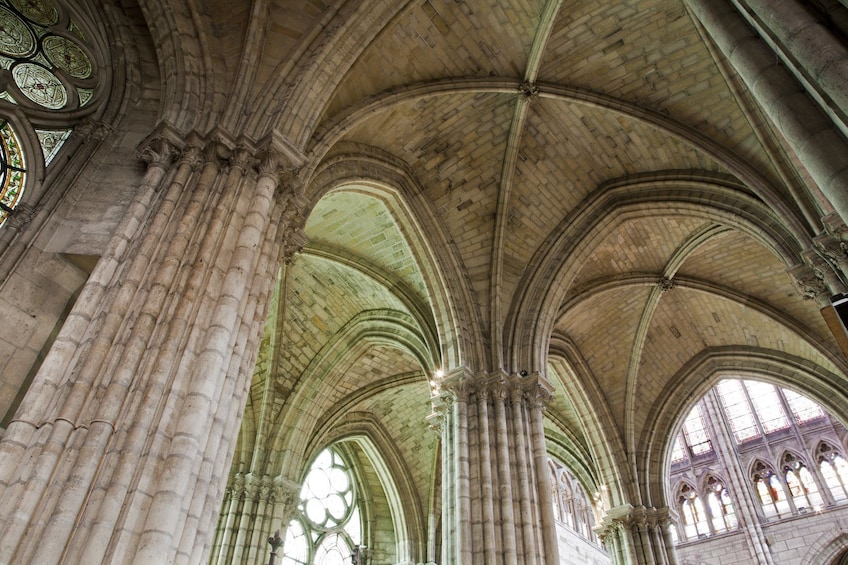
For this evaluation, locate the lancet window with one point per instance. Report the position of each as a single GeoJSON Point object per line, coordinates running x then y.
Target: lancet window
{"type": "Point", "coordinates": [802, 485]}
{"type": "Point", "coordinates": [770, 490]}
{"type": "Point", "coordinates": [692, 512]}
{"type": "Point", "coordinates": [834, 470]}
{"type": "Point", "coordinates": [720, 506]}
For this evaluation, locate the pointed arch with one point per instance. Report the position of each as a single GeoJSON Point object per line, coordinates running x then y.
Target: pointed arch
{"type": "Point", "coordinates": [295, 431]}
{"type": "Point", "coordinates": [605, 445]}
{"type": "Point", "coordinates": [403, 500]}
{"type": "Point", "coordinates": [553, 267]}
{"type": "Point", "coordinates": [828, 548]}
{"type": "Point", "coordinates": [701, 373]}
{"type": "Point", "coordinates": [375, 173]}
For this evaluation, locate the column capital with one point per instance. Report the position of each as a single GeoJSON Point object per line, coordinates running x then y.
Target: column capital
{"type": "Point", "coordinates": [286, 494]}
{"type": "Point", "coordinates": [161, 147]}
{"type": "Point", "coordinates": [21, 216]}
{"type": "Point", "coordinates": [458, 385]}
{"type": "Point", "coordinates": [809, 284]}
{"type": "Point", "coordinates": [277, 156]}
{"type": "Point", "coordinates": [194, 153]}
{"type": "Point", "coordinates": [834, 225]}
{"type": "Point", "coordinates": [293, 236]}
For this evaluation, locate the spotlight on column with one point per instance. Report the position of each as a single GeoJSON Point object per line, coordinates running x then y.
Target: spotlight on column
{"type": "Point", "coordinates": [523, 373]}
{"type": "Point", "coordinates": [840, 304]}
{"type": "Point", "coordinates": [836, 316]}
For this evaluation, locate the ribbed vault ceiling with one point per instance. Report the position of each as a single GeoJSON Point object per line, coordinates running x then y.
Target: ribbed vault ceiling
{"type": "Point", "coordinates": [625, 90]}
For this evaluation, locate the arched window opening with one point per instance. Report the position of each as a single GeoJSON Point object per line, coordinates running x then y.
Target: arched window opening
{"type": "Point", "coordinates": [803, 409]}
{"type": "Point", "coordinates": [692, 512]}
{"type": "Point", "coordinates": [720, 506]}
{"type": "Point", "coordinates": [46, 54]}
{"type": "Point", "coordinates": [770, 490]}
{"type": "Point", "coordinates": [678, 454]}
{"type": "Point", "coordinates": [834, 470]}
{"type": "Point", "coordinates": [47, 69]}
{"type": "Point", "coordinates": [328, 529]}
{"type": "Point", "coordinates": [695, 433]}
{"type": "Point", "coordinates": [802, 485]}
{"type": "Point", "coordinates": [734, 400]}
{"type": "Point", "coordinates": [767, 406]}
{"type": "Point", "coordinates": [576, 509]}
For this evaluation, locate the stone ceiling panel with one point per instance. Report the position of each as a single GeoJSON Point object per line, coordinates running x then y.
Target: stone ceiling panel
{"type": "Point", "coordinates": [321, 297]}
{"type": "Point", "coordinates": [688, 321]}
{"type": "Point", "coordinates": [364, 227]}
{"type": "Point", "coordinates": [403, 411]}
{"type": "Point", "coordinates": [735, 261]}
{"type": "Point", "coordinates": [651, 53]}
{"type": "Point", "coordinates": [443, 38]}
{"type": "Point", "coordinates": [603, 329]}
{"type": "Point", "coordinates": [641, 245]}
{"type": "Point", "coordinates": [455, 146]}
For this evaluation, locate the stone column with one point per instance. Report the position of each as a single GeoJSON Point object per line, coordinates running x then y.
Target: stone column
{"type": "Point", "coordinates": [818, 58]}
{"type": "Point", "coordinates": [538, 396]}
{"type": "Point", "coordinates": [638, 535]}
{"type": "Point", "coordinates": [745, 498]}
{"type": "Point", "coordinates": [509, 459]}
{"type": "Point", "coordinates": [120, 450]}
{"type": "Point", "coordinates": [809, 131]}
{"type": "Point", "coordinates": [251, 516]}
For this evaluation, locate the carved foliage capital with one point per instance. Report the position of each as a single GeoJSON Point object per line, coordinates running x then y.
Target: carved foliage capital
{"type": "Point", "coordinates": [808, 283]}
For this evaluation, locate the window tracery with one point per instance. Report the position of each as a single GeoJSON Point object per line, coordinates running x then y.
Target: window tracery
{"type": "Point", "coordinates": [47, 71]}
{"type": "Point", "coordinates": [769, 431]}
{"type": "Point", "coordinates": [572, 506]}
{"type": "Point", "coordinates": [720, 505]}
{"type": "Point", "coordinates": [692, 512]}
{"type": "Point", "coordinates": [802, 485]}
{"type": "Point", "coordinates": [12, 170]}
{"type": "Point", "coordinates": [328, 529]}
{"type": "Point", "coordinates": [834, 470]}
{"type": "Point", "coordinates": [773, 498]}
{"type": "Point", "coordinates": [46, 55]}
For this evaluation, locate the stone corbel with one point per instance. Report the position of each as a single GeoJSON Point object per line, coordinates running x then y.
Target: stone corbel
{"type": "Point", "coordinates": [809, 285]}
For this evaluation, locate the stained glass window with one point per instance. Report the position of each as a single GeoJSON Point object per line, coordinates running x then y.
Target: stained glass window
{"type": "Point", "coordinates": [720, 506]}
{"type": "Point", "coordinates": [677, 452]}
{"type": "Point", "coordinates": [49, 65]}
{"type": "Point", "coordinates": [12, 170]}
{"type": "Point", "coordinates": [834, 470]}
{"type": "Point", "coordinates": [739, 414]}
{"type": "Point", "coordinates": [46, 65]}
{"type": "Point", "coordinates": [692, 511]}
{"type": "Point", "coordinates": [803, 409]}
{"type": "Point", "coordinates": [328, 530]}
{"type": "Point", "coordinates": [767, 406]}
{"type": "Point", "coordinates": [770, 490]}
{"type": "Point", "coordinates": [695, 432]}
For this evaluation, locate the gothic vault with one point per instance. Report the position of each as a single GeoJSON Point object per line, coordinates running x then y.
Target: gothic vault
{"type": "Point", "coordinates": [451, 238]}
